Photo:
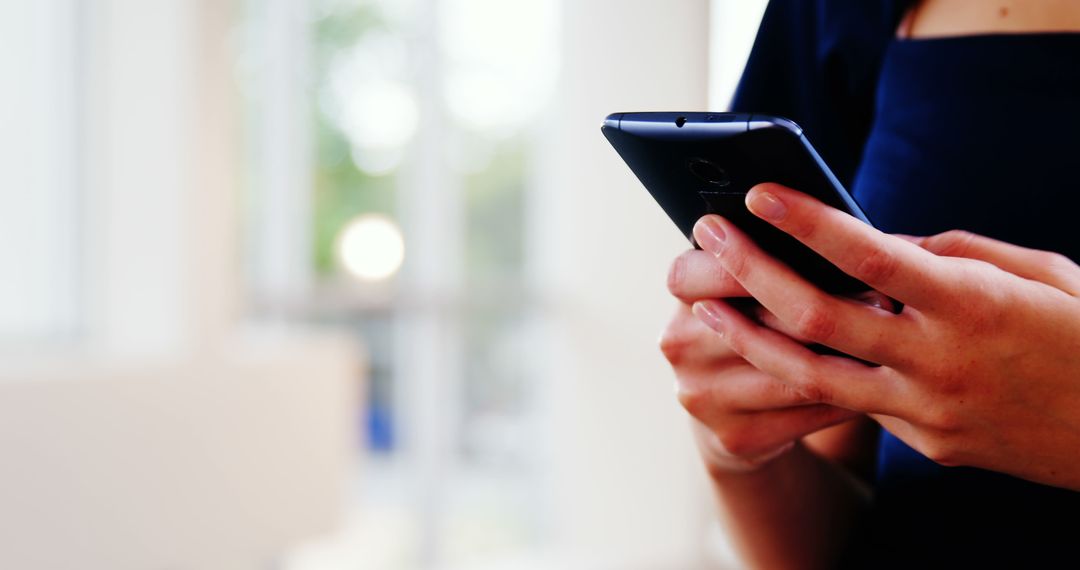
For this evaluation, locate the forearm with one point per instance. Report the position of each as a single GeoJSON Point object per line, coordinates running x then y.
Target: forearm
{"type": "Point", "coordinates": [794, 512]}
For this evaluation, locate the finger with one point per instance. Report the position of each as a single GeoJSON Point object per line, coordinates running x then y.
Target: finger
{"type": "Point", "coordinates": [707, 392]}
{"type": "Point", "coordinates": [903, 430]}
{"type": "Point", "coordinates": [810, 314]}
{"type": "Point", "coordinates": [763, 316]}
{"type": "Point", "coordinates": [875, 299]}
{"type": "Point", "coordinates": [697, 274]}
{"type": "Point", "coordinates": [825, 379]}
{"type": "Point", "coordinates": [751, 435]}
{"type": "Point", "coordinates": [686, 341]}
{"type": "Point", "coordinates": [1046, 267]}
{"type": "Point", "coordinates": [889, 264]}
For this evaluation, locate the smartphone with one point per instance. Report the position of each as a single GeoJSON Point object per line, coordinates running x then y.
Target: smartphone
{"type": "Point", "coordinates": [695, 164]}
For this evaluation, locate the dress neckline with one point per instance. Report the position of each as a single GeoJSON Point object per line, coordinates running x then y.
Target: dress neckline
{"type": "Point", "coordinates": [988, 36]}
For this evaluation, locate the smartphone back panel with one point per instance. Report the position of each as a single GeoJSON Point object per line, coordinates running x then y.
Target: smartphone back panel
{"type": "Point", "coordinates": [695, 164]}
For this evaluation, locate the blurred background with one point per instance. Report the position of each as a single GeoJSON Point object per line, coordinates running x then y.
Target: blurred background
{"type": "Point", "coordinates": [344, 284]}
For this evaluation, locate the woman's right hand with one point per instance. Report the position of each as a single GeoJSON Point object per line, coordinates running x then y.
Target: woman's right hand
{"type": "Point", "coordinates": [743, 418]}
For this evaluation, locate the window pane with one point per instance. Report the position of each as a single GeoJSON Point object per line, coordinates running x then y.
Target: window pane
{"type": "Point", "coordinates": [38, 169]}
{"type": "Point", "coordinates": [421, 114]}
{"type": "Point", "coordinates": [365, 115]}
{"type": "Point", "coordinates": [494, 202]}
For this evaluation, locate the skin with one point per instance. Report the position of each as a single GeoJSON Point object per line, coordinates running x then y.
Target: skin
{"type": "Point", "coordinates": [943, 18]}
{"type": "Point", "coordinates": [789, 504]}
{"type": "Point", "coordinates": [980, 368]}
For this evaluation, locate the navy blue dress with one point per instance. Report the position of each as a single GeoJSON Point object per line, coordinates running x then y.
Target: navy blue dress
{"type": "Point", "coordinates": [978, 133]}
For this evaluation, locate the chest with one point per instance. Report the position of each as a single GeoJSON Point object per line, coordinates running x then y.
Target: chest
{"type": "Point", "coordinates": [977, 133]}
{"type": "Point", "coordinates": [940, 18]}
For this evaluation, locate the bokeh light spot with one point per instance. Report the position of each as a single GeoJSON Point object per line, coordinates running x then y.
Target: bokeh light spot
{"type": "Point", "coordinates": [371, 247]}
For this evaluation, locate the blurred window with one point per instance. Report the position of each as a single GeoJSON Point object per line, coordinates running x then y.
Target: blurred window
{"type": "Point", "coordinates": [390, 144]}
{"type": "Point", "coordinates": [39, 163]}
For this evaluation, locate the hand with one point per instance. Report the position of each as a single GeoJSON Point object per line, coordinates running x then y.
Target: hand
{"type": "Point", "coordinates": [743, 418]}
{"type": "Point", "coordinates": [981, 368]}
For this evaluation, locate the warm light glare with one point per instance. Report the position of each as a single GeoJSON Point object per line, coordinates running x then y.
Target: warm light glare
{"type": "Point", "coordinates": [371, 247]}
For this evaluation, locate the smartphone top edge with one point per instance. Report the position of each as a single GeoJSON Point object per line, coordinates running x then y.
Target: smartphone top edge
{"type": "Point", "coordinates": [612, 121]}
{"type": "Point", "coordinates": [678, 120]}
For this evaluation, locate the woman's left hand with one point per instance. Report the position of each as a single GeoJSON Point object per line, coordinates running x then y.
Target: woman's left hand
{"type": "Point", "coordinates": [982, 366]}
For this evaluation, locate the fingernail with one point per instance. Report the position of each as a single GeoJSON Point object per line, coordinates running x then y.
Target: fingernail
{"type": "Point", "coordinates": [767, 206]}
{"type": "Point", "coordinates": [711, 237]}
{"type": "Point", "coordinates": [709, 314]}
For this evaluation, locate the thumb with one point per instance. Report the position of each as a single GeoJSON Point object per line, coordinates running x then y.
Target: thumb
{"type": "Point", "coordinates": [1046, 267]}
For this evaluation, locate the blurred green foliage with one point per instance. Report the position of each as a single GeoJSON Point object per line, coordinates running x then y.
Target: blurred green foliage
{"type": "Point", "coordinates": [494, 194]}
{"type": "Point", "coordinates": [494, 217]}
{"type": "Point", "coordinates": [342, 191]}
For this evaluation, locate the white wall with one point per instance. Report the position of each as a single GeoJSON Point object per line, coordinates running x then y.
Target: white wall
{"type": "Point", "coordinates": [733, 25]}
{"type": "Point", "coordinates": [164, 437]}
{"type": "Point", "coordinates": [38, 171]}
{"type": "Point", "coordinates": [627, 489]}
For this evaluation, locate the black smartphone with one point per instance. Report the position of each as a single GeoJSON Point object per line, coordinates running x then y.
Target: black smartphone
{"type": "Point", "coordinates": [695, 164]}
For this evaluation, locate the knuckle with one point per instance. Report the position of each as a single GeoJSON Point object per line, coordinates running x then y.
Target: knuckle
{"type": "Point", "coordinates": [942, 452]}
{"type": "Point", "coordinates": [722, 283]}
{"type": "Point", "coordinates": [944, 419]}
{"type": "Point", "coordinates": [815, 392]}
{"type": "Point", "coordinates": [676, 275]}
{"type": "Point", "coordinates": [953, 243]}
{"type": "Point", "coordinates": [832, 415]}
{"type": "Point", "coordinates": [979, 298]}
{"type": "Point", "coordinates": [738, 441]}
{"type": "Point", "coordinates": [884, 344]}
{"type": "Point", "coordinates": [803, 229]}
{"type": "Point", "coordinates": [816, 323]}
{"type": "Point", "coordinates": [878, 266]}
{"type": "Point", "coordinates": [693, 400]}
{"type": "Point", "coordinates": [793, 394]}
{"type": "Point", "coordinates": [736, 341]}
{"type": "Point", "coordinates": [673, 345]}
{"type": "Point", "coordinates": [735, 262]}
{"type": "Point", "coordinates": [949, 381]}
{"type": "Point", "coordinates": [813, 387]}
{"type": "Point", "coordinates": [1057, 264]}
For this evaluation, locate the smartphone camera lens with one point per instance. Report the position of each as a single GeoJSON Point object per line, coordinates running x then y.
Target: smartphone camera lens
{"type": "Point", "coordinates": [708, 172]}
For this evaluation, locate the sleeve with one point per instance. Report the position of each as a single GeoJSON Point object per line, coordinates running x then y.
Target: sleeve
{"type": "Point", "coordinates": [816, 62]}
